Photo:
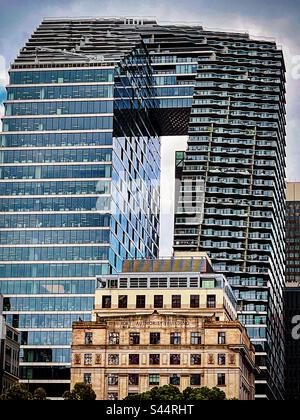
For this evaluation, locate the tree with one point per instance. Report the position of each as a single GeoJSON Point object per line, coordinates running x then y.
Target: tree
{"type": "Point", "coordinates": [40, 394]}
{"type": "Point", "coordinates": [165, 393]}
{"type": "Point", "coordinates": [81, 392]}
{"type": "Point", "coordinates": [17, 392]}
{"type": "Point", "coordinates": [196, 394]}
{"type": "Point", "coordinates": [172, 393]}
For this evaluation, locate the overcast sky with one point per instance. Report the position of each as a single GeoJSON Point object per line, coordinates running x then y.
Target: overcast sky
{"type": "Point", "coordinates": [269, 18]}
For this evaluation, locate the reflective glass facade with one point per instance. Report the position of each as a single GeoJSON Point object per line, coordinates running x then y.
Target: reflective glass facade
{"type": "Point", "coordinates": [79, 192]}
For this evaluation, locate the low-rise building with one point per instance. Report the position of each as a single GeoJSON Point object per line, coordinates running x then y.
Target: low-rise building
{"type": "Point", "coordinates": [164, 322]}
{"type": "Point", "coordinates": [9, 353]}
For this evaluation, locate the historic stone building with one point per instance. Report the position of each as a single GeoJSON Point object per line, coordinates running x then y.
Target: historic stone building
{"type": "Point", "coordinates": [158, 328]}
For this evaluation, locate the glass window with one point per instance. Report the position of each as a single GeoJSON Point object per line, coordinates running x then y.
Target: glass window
{"type": "Point", "coordinates": [155, 338]}
{"type": "Point", "coordinates": [87, 378]}
{"type": "Point", "coordinates": [123, 302]}
{"type": "Point", "coordinates": [195, 338]}
{"type": "Point", "coordinates": [175, 359]}
{"type": "Point", "coordinates": [208, 283]}
{"type": "Point", "coordinates": [221, 379]}
{"type": "Point", "coordinates": [112, 396]}
{"type": "Point", "coordinates": [222, 338]}
{"type": "Point", "coordinates": [195, 380]}
{"type": "Point", "coordinates": [114, 339]}
{"type": "Point", "coordinates": [141, 302]}
{"type": "Point", "coordinates": [158, 302]}
{"type": "Point", "coordinates": [154, 380]}
{"type": "Point", "coordinates": [88, 338]}
{"type": "Point", "coordinates": [195, 301]}
{"type": "Point", "coordinates": [88, 359]}
{"type": "Point", "coordinates": [175, 339]}
{"type": "Point", "coordinates": [176, 301]}
{"type": "Point", "coordinates": [133, 379]}
{"type": "Point", "coordinates": [154, 359]}
{"type": "Point", "coordinates": [195, 359]}
{"type": "Point", "coordinates": [175, 380]}
{"type": "Point", "coordinates": [134, 339]}
{"type": "Point", "coordinates": [106, 302]}
{"type": "Point", "coordinates": [134, 359]}
{"type": "Point", "coordinates": [113, 379]}
{"type": "Point", "coordinates": [113, 359]}
{"type": "Point", "coordinates": [221, 359]}
{"type": "Point", "coordinates": [211, 301]}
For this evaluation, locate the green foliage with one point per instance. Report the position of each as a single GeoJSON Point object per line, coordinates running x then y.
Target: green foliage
{"type": "Point", "coordinates": [172, 393]}
{"type": "Point", "coordinates": [81, 392]}
{"type": "Point", "coordinates": [17, 392]}
{"type": "Point", "coordinates": [207, 394]}
{"type": "Point", "coordinates": [165, 393]}
{"type": "Point", "coordinates": [40, 394]}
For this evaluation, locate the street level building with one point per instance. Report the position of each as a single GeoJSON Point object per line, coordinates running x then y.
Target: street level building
{"type": "Point", "coordinates": [9, 353]}
{"type": "Point", "coordinates": [163, 324]}
{"type": "Point", "coordinates": [292, 293]}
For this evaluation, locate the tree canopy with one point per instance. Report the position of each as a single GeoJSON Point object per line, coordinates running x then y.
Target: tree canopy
{"type": "Point", "coordinates": [172, 393]}
{"type": "Point", "coordinates": [81, 392]}
{"type": "Point", "coordinates": [17, 392]}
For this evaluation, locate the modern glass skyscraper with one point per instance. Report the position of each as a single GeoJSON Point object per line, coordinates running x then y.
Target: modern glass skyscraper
{"type": "Point", "coordinates": [83, 99]}
{"type": "Point", "coordinates": [80, 168]}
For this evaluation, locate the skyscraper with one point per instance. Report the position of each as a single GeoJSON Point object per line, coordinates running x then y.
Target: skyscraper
{"type": "Point", "coordinates": [80, 168]}
{"type": "Point", "coordinates": [224, 90]}
{"type": "Point", "coordinates": [231, 200]}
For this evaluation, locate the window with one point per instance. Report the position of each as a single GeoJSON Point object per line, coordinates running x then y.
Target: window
{"type": "Point", "coordinates": [134, 339]}
{"type": "Point", "coordinates": [106, 302]}
{"type": "Point", "coordinates": [176, 301]}
{"type": "Point", "coordinates": [175, 339]}
{"type": "Point", "coordinates": [87, 378]}
{"type": "Point", "coordinates": [113, 379]}
{"type": "Point", "coordinates": [208, 284]}
{"type": "Point", "coordinates": [113, 359]}
{"type": "Point", "coordinates": [154, 380]}
{"type": "Point", "coordinates": [196, 338]}
{"type": "Point", "coordinates": [123, 301]}
{"type": "Point", "coordinates": [88, 359]}
{"type": "Point", "coordinates": [158, 302]}
{"type": "Point", "coordinates": [141, 302]}
{"type": "Point", "coordinates": [211, 301]}
{"type": "Point", "coordinates": [133, 380]}
{"type": "Point", "coordinates": [175, 380]}
{"type": "Point", "coordinates": [134, 359]}
{"type": "Point", "coordinates": [88, 338]}
{"type": "Point", "coordinates": [154, 359]}
{"type": "Point", "coordinates": [175, 359]}
{"type": "Point", "coordinates": [195, 359]}
{"type": "Point", "coordinates": [222, 338]}
{"type": "Point", "coordinates": [221, 359]}
{"type": "Point", "coordinates": [195, 380]}
{"type": "Point", "coordinates": [221, 379]}
{"type": "Point", "coordinates": [195, 301]}
{"type": "Point", "coordinates": [112, 396]}
{"type": "Point", "coordinates": [114, 339]}
{"type": "Point", "coordinates": [155, 338]}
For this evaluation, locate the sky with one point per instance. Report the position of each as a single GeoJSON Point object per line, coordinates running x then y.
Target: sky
{"type": "Point", "coordinates": [267, 18]}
